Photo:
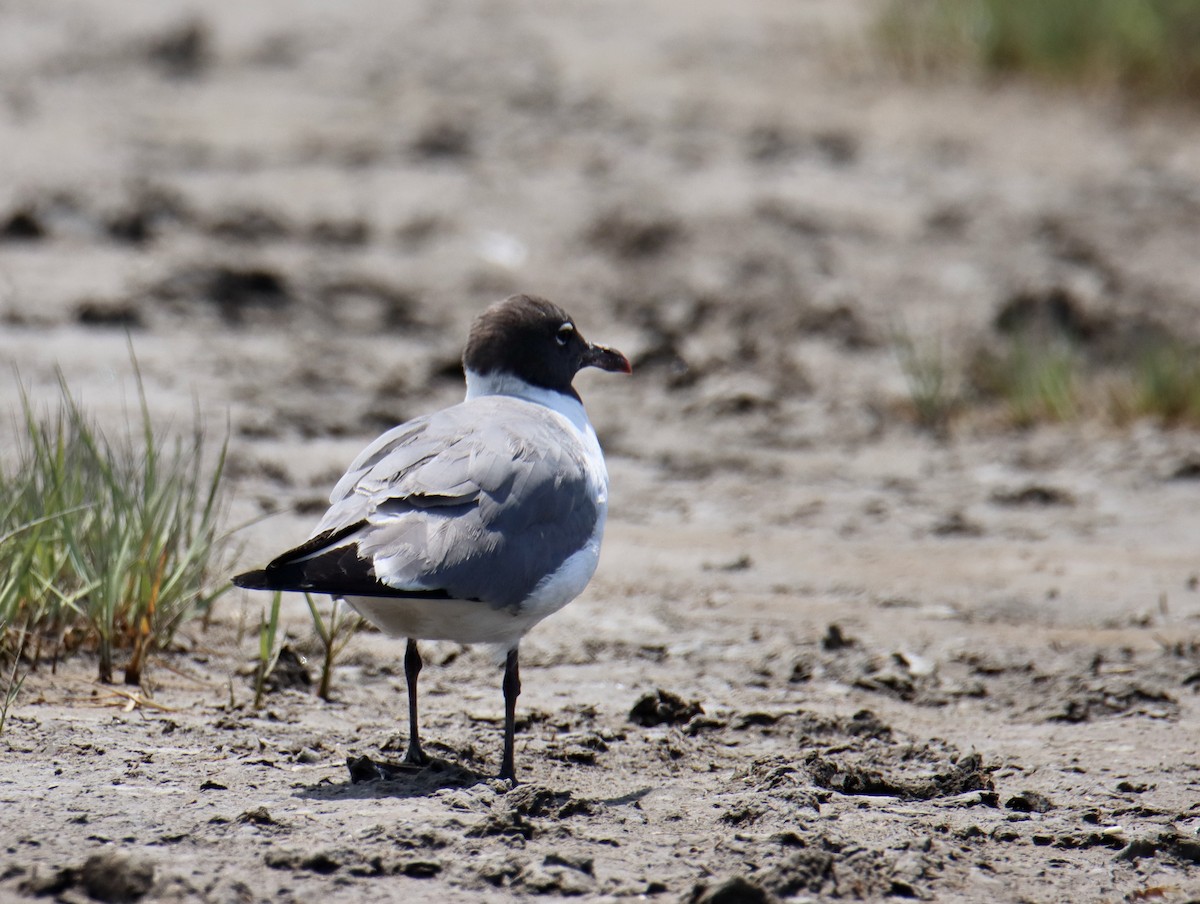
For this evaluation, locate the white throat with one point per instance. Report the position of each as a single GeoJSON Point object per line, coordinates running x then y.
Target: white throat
{"type": "Point", "coordinates": [508, 385]}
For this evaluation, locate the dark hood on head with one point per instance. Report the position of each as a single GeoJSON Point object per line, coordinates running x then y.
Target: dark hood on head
{"type": "Point", "coordinates": [537, 341]}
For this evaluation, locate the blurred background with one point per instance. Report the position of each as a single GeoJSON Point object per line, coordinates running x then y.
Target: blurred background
{"type": "Point", "coordinates": [766, 204]}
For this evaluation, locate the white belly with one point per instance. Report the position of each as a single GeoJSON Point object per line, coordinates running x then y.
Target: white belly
{"type": "Point", "coordinates": [463, 621]}
{"type": "Point", "coordinates": [468, 621]}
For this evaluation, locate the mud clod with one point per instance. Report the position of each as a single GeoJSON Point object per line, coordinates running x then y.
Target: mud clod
{"type": "Point", "coordinates": [1084, 700]}
{"type": "Point", "coordinates": [116, 877]}
{"type": "Point", "coordinates": [445, 139]}
{"type": "Point", "coordinates": [956, 524]}
{"type": "Point", "coordinates": [1033, 495]}
{"type": "Point", "coordinates": [290, 672]}
{"type": "Point", "coordinates": [184, 51]}
{"type": "Point", "coordinates": [233, 291]}
{"type": "Point", "coordinates": [835, 639]}
{"type": "Point", "coordinates": [1052, 313]}
{"type": "Point", "coordinates": [347, 233]}
{"type": "Point", "coordinates": [248, 225]}
{"type": "Point", "coordinates": [634, 234]}
{"type": "Point", "coordinates": [731, 891]}
{"type": "Point", "coordinates": [1029, 802]}
{"type": "Point", "coordinates": [812, 869]}
{"type": "Point", "coordinates": [536, 801]}
{"type": "Point", "coordinates": [927, 773]}
{"type": "Point", "coordinates": [521, 812]}
{"type": "Point", "coordinates": [22, 225]}
{"type": "Point", "coordinates": [57, 882]}
{"type": "Point", "coordinates": [1188, 469]}
{"type": "Point", "coordinates": [662, 707]}
{"type": "Point", "coordinates": [258, 816]}
{"type": "Point", "coordinates": [421, 869]}
{"type": "Point", "coordinates": [118, 315]}
{"type": "Point", "coordinates": [1169, 844]}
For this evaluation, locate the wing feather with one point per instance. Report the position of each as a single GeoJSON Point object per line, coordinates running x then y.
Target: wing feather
{"type": "Point", "coordinates": [479, 501]}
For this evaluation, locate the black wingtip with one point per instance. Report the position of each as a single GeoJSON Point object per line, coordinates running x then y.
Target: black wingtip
{"type": "Point", "coordinates": [254, 580]}
{"type": "Point", "coordinates": [320, 565]}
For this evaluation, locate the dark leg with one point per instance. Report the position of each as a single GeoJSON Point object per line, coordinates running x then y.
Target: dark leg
{"type": "Point", "coordinates": [512, 689]}
{"type": "Point", "coordinates": [412, 668]}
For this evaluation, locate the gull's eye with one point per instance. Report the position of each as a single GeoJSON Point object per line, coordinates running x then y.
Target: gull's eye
{"type": "Point", "coordinates": [563, 336]}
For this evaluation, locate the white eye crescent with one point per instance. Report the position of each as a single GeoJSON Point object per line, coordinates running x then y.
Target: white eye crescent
{"type": "Point", "coordinates": [563, 336]}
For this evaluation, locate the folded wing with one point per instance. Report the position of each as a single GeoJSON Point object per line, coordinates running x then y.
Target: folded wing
{"type": "Point", "coordinates": [479, 501]}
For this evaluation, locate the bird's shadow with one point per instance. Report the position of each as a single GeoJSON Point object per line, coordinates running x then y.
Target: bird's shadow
{"type": "Point", "coordinates": [373, 779]}
{"type": "Point", "coordinates": [370, 778]}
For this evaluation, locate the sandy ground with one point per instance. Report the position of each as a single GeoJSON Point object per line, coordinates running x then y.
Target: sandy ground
{"type": "Point", "coordinates": [958, 669]}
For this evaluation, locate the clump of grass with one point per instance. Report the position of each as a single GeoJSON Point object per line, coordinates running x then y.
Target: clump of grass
{"type": "Point", "coordinates": [1149, 47]}
{"type": "Point", "coordinates": [1037, 379]}
{"type": "Point", "coordinates": [105, 539]}
{"type": "Point", "coordinates": [930, 36]}
{"type": "Point", "coordinates": [1163, 382]}
{"type": "Point", "coordinates": [12, 687]}
{"type": "Point", "coordinates": [931, 383]}
{"type": "Point", "coordinates": [268, 650]}
{"type": "Point", "coordinates": [1051, 364]}
{"type": "Point", "coordinates": [333, 633]}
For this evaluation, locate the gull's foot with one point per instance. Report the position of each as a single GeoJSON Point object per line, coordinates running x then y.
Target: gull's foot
{"type": "Point", "coordinates": [415, 756]}
{"type": "Point", "coordinates": [365, 769]}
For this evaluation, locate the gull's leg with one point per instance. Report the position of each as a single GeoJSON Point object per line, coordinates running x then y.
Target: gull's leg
{"type": "Point", "coordinates": [412, 668]}
{"type": "Point", "coordinates": [512, 688]}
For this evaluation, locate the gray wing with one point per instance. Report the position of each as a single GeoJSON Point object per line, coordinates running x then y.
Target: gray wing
{"type": "Point", "coordinates": [479, 501]}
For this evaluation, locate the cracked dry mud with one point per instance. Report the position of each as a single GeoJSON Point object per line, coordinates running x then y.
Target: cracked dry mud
{"type": "Point", "coordinates": [826, 656]}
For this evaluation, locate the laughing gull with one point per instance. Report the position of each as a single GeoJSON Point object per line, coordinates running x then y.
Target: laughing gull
{"type": "Point", "coordinates": [474, 523]}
